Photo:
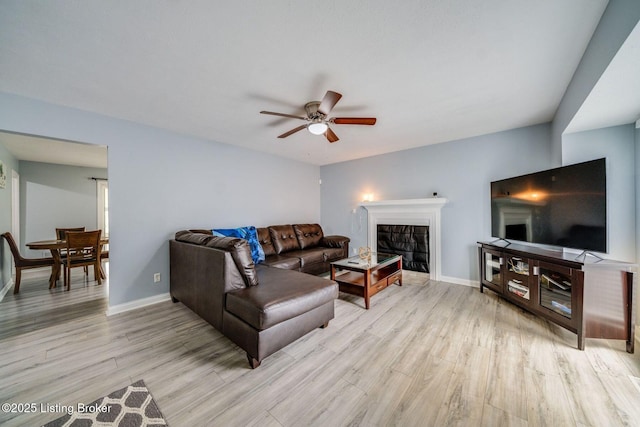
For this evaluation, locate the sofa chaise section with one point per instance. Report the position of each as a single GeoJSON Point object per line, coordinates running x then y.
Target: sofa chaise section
{"type": "Point", "coordinates": [263, 319]}
{"type": "Point", "coordinates": [259, 308]}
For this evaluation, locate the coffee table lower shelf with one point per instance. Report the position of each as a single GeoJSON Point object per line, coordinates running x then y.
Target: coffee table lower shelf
{"type": "Point", "coordinates": [365, 284]}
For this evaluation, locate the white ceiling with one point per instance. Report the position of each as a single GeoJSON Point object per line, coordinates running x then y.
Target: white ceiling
{"type": "Point", "coordinates": [36, 149]}
{"type": "Point", "coordinates": [430, 71]}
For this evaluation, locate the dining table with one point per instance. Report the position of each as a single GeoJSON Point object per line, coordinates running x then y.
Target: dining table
{"type": "Point", "coordinates": [54, 246]}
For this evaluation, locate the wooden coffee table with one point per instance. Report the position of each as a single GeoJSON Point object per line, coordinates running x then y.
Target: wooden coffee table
{"type": "Point", "coordinates": [365, 278]}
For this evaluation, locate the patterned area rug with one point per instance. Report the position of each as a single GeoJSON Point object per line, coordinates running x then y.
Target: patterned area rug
{"type": "Point", "coordinates": [131, 406]}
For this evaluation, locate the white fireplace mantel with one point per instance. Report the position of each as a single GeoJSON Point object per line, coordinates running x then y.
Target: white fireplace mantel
{"type": "Point", "coordinates": [409, 212]}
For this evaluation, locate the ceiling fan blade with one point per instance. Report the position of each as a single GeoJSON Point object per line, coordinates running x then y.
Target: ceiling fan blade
{"type": "Point", "coordinates": [292, 131]}
{"type": "Point", "coordinates": [283, 115]}
{"type": "Point", "coordinates": [331, 137]}
{"type": "Point", "coordinates": [354, 120]}
{"type": "Point", "coordinates": [328, 102]}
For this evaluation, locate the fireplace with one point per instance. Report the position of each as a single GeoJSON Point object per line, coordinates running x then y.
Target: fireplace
{"type": "Point", "coordinates": [410, 241]}
{"type": "Point", "coordinates": [421, 212]}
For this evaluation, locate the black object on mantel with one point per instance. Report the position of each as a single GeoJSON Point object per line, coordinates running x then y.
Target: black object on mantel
{"type": "Point", "coordinates": [592, 298]}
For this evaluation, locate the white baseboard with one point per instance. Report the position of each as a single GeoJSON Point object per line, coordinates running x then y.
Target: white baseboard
{"type": "Point", "coordinates": [448, 279]}
{"type": "Point", "coordinates": [133, 305]}
{"type": "Point", "coordinates": [5, 289]}
{"type": "Point", "coordinates": [458, 281]}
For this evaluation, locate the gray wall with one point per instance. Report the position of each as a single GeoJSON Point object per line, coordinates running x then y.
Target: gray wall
{"type": "Point", "coordinates": [637, 172]}
{"type": "Point", "coordinates": [637, 175]}
{"type": "Point", "coordinates": [617, 144]}
{"type": "Point", "coordinates": [10, 163]}
{"type": "Point", "coordinates": [460, 171]}
{"type": "Point", "coordinates": [161, 182]}
{"type": "Point", "coordinates": [55, 196]}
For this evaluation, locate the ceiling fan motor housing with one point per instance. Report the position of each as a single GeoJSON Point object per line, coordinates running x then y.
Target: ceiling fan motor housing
{"type": "Point", "coordinates": [312, 111]}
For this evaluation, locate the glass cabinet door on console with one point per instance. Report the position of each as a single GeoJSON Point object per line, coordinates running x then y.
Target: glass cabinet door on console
{"type": "Point", "coordinates": [492, 266]}
{"type": "Point", "coordinates": [517, 276]}
{"type": "Point", "coordinates": [557, 296]}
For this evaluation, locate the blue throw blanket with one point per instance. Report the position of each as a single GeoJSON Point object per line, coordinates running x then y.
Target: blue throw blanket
{"type": "Point", "coordinates": [248, 233]}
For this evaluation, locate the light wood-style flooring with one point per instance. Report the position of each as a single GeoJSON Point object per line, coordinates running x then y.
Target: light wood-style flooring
{"type": "Point", "coordinates": [426, 354]}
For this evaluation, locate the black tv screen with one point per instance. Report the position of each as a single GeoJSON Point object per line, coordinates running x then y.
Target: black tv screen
{"type": "Point", "coordinates": [565, 207]}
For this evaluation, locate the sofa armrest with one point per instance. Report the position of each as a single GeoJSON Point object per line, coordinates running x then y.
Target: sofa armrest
{"type": "Point", "coordinates": [335, 241]}
{"type": "Point", "coordinates": [200, 277]}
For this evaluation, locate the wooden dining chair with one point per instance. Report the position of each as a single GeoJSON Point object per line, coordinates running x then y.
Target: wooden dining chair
{"type": "Point", "coordinates": [61, 232]}
{"type": "Point", "coordinates": [83, 250]}
{"type": "Point", "coordinates": [24, 263]}
{"type": "Point", "coordinates": [60, 235]}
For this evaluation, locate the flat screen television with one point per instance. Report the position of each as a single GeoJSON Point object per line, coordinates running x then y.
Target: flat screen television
{"type": "Point", "coordinates": [565, 206]}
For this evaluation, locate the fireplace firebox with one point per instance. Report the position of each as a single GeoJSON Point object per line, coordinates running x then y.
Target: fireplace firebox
{"type": "Point", "coordinates": [410, 241]}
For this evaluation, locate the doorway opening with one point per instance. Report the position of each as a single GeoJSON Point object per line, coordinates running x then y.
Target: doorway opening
{"type": "Point", "coordinates": [53, 187]}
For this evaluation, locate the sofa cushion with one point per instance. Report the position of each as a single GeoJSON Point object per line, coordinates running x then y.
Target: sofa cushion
{"type": "Point", "coordinates": [282, 295]}
{"type": "Point", "coordinates": [333, 254]}
{"type": "Point", "coordinates": [284, 238]}
{"type": "Point", "coordinates": [194, 237]}
{"type": "Point", "coordinates": [309, 256]}
{"type": "Point", "coordinates": [264, 238]}
{"type": "Point", "coordinates": [249, 234]}
{"type": "Point", "coordinates": [241, 254]}
{"type": "Point", "coordinates": [201, 230]}
{"type": "Point", "coordinates": [334, 241]}
{"type": "Point", "coordinates": [309, 235]}
{"type": "Point", "coordinates": [283, 261]}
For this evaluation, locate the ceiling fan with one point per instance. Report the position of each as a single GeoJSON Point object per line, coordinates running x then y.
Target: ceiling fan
{"type": "Point", "coordinates": [317, 116]}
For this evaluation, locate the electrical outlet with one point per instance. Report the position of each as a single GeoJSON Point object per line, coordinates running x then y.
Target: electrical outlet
{"type": "Point", "coordinates": [156, 277]}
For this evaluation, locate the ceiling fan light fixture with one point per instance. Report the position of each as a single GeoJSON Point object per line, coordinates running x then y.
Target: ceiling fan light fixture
{"type": "Point", "coordinates": [317, 128]}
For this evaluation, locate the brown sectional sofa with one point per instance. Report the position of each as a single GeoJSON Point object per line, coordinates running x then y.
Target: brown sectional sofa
{"type": "Point", "coordinates": [261, 308]}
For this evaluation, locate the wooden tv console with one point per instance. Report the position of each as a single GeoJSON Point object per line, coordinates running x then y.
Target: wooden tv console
{"type": "Point", "coordinates": [590, 298]}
